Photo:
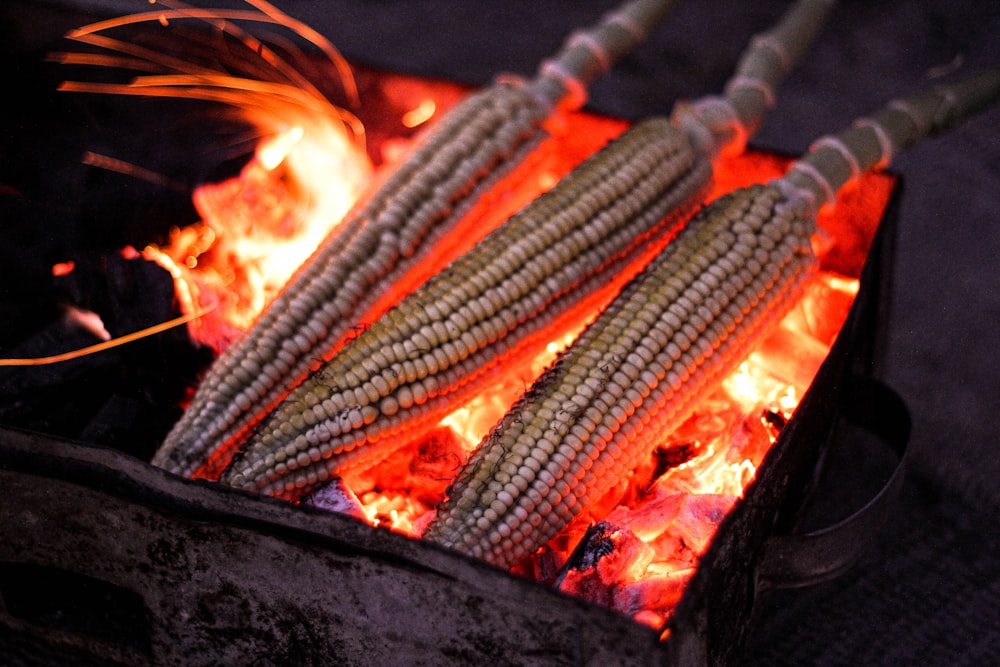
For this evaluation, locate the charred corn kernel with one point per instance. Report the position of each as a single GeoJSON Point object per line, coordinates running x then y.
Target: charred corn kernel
{"type": "Point", "coordinates": [507, 296]}
{"type": "Point", "coordinates": [475, 144]}
{"type": "Point", "coordinates": [632, 376]}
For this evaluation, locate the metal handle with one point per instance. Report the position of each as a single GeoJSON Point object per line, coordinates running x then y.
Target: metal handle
{"type": "Point", "coordinates": [796, 560]}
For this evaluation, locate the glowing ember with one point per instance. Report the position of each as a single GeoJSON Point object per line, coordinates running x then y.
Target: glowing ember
{"type": "Point", "coordinates": [660, 521]}
{"type": "Point", "coordinates": [63, 268]}
{"type": "Point", "coordinates": [419, 114]}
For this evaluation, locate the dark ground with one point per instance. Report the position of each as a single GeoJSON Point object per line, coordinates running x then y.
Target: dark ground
{"type": "Point", "coordinates": [928, 591]}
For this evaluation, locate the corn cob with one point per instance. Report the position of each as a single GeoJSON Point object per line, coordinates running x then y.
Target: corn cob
{"type": "Point", "coordinates": [479, 141]}
{"type": "Point", "coordinates": [591, 231]}
{"type": "Point", "coordinates": [672, 335]}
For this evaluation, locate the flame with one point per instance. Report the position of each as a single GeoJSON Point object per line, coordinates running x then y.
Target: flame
{"type": "Point", "coordinates": [309, 166]}
{"type": "Point", "coordinates": [259, 227]}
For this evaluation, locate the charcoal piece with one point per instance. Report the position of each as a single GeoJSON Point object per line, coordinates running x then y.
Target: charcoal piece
{"type": "Point", "coordinates": [420, 470]}
{"type": "Point", "coordinates": [56, 398]}
{"type": "Point", "coordinates": [337, 497]}
{"type": "Point", "coordinates": [601, 563]}
{"type": "Point", "coordinates": [129, 424]}
{"type": "Point", "coordinates": [597, 543]}
{"type": "Point", "coordinates": [126, 397]}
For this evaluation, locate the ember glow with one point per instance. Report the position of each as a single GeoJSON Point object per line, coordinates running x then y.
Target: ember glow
{"type": "Point", "coordinates": [636, 551]}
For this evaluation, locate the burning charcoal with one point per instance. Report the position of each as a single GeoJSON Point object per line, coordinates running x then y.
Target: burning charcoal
{"type": "Point", "coordinates": [648, 519]}
{"type": "Point", "coordinates": [667, 457]}
{"type": "Point", "coordinates": [395, 510]}
{"type": "Point", "coordinates": [421, 470]}
{"type": "Point", "coordinates": [664, 458]}
{"type": "Point", "coordinates": [656, 593]}
{"type": "Point", "coordinates": [774, 420]}
{"type": "Point", "coordinates": [791, 355]}
{"type": "Point", "coordinates": [608, 555]}
{"type": "Point", "coordinates": [685, 537]}
{"type": "Point", "coordinates": [437, 459]}
{"type": "Point", "coordinates": [822, 316]}
{"type": "Point", "coordinates": [752, 436]}
{"type": "Point", "coordinates": [337, 497]}
{"type": "Point", "coordinates": [545, 566]}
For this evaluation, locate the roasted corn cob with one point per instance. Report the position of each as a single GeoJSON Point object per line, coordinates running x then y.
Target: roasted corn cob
{"type": "Point", "coordinates": [479, 141]}
{"type": "Point", "coordinates": [508, 297]}
{"type": "Point", "coordinates": [672, 334]}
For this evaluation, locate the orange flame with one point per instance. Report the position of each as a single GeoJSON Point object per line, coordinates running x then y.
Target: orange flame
{"type": "Point", "coordinates": [259, 227]}
{"type": "Point", "coordinates": [307, 171]}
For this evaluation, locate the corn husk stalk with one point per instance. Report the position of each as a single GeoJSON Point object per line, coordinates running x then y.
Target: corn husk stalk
{"type": "Point", "coordinates": [669, 338]}
{"type": "Point", "coordinates": [461, 157]}
{"type": "Point", "coordinates": [509, 296]}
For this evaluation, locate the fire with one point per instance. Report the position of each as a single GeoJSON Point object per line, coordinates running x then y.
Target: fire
{"type": "Point", "coordinates": [310, 162]}
{"type": "Point", "coordinates": [637, 550]}
{"type": "Point", "coordinates": [666, 515]}
{"type": "Point", "coordinates": [258, 227]}
{"type": "Point", "coordinates": [662, 519]}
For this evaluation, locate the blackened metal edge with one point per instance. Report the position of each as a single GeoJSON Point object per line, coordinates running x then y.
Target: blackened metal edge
{"type": "Point", "coordinates": [37, 470]}
{"type": "Point", "coordinates": [714, 619]}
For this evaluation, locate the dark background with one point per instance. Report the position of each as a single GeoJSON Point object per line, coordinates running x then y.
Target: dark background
{"type": "Point", "coordinates": [928, 590]}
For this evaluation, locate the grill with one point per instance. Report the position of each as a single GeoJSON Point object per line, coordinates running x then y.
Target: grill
{"type": "Point", "coordinates": [108, 560]}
